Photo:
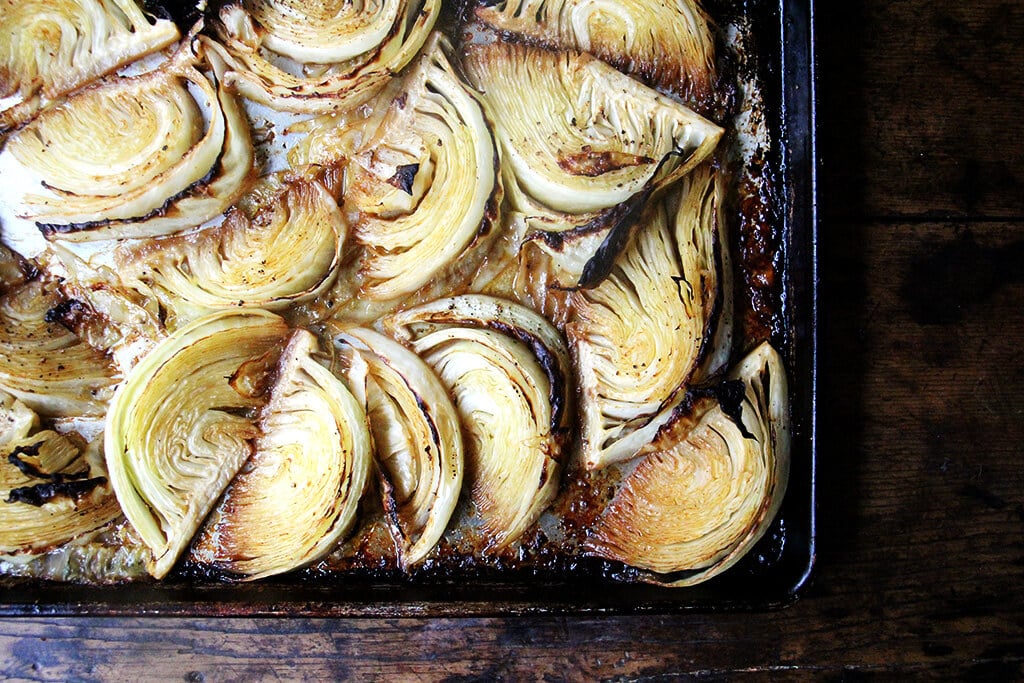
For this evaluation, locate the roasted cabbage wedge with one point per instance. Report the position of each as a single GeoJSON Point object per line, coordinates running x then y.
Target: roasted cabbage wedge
{"type": "Point", "coordinates": [52, 485]}
{"type": "Point", "coordinates": [690, 510]}
{"type": "Point", "coordinates": [298, 493]}
{"type": "Point", "coordinates": [183, 423]}
{"type": "Point", "coordinates": [422, 190]}
{"type": "Point", "coordinates": [50, 47]}
{"type": "Point", "coordinates": [577, 135]}
{"type": "Point", "coordinates": [416, 436]}
{"type": "Point", "coordinates": [639, 336]}
{"type": "Point", "coordinates": [584, 148]}
{"type": "Point", "coordinates": [667, 44]}
{"type": "Point", "coordinates": [43, 363]}
{"type": "Point", "coordinates": [507, 369]}
{"type": "Point", "coordinates": [319, 57]}
{"type": "Point", "coordinates": [161, 168]}
{"type": "Point", "coordinates": [286, 251]}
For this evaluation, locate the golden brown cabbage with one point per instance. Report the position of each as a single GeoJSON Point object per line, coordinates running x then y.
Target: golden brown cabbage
{"type": "Point", "coordinates": [577, 135]}
{"type": "Point", "coordinates": [319, 57]}
{"type": "Point", "coordinates": [696, 505]}
{"type": "Point", "coordinates": [507, 369]}
{"type": "Point", "coordinates": [157, 172]}
{"type": "Point", "coordinates": [298, 493]}
{"type": "Point", "coordinates": [416, 436]}
{"type": "Point", "coordinates": [183, 423]}
{"type": "Point", "coordinates": [666, 43]}
{"type": "Point", "coordinates": [50, 47]}
{"type": "Point", "coordinates": [43, 363]}
{"type": "Point", "coordinates": [638, 337]}
{"type": "Point", "coordinates": [289, 251]}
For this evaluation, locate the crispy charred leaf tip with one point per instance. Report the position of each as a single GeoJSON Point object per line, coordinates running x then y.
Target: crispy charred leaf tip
{"type": "Point", "coordinates": [620, 218]}
{"type": "Point", "coordinates": [404, 177]}
{"type": "Point", "coordinates": [72, 484]}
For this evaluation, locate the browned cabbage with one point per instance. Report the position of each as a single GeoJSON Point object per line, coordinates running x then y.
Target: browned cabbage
{"type": "Point", "coordinates": [690, 510]}
{"type": "Point", "coordinates": [668, 44]}
{"type": "Point", "coordinates": [319, 56]}
{"type": "Point", "coordinates": [298, 493]}
{"type": "Point", "coordinates": [159, 170]}
{"type": "Point", "coordinates": [50, 47]}
{"type": "Point", "coordinates": [639, 336]}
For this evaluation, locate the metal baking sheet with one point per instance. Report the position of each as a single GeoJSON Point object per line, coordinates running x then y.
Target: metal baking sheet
{"type": "Point", "coordinates": [773, 573]}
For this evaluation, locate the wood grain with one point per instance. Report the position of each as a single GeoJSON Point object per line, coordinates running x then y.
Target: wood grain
{"type": "Point", "coordinates": [921, 555]}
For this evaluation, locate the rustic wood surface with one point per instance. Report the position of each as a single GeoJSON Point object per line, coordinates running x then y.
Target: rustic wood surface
{"type": "Point", "coordinates": [921, 558]}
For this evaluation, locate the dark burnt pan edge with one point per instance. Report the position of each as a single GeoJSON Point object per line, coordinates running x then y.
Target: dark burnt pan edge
{"type": "Point", "coordinates": [792, 106]}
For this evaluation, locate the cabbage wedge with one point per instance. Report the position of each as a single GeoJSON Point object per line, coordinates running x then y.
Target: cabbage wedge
{"type": "Point", "coordinates": [51, 489]}
{"type": "Point", "coordinates": [50, 47]}
{"type": "Point", "coordinates": [161, 168]}
{"type": "Point", "coordinates": [43, 363]}
{"type": "Point", "coordinates": [423, 187]}
{"type": "Point", "coordinates": [639, 337]}
{"type": "Point", "coordinates": [288, 251]}
{"type": "Point", "coordinates": [416, 435]}
{"type": "Point", "coordinates": [690, 510]}
{"type": "Point", "coordinates": [298, 494]}
{"type": "Point", "coordinates": [507, 369]}
{"type": "Point", "coordinates": [577, 135]}
{"type": "Point", "coordinates": [668, 45]}
{"type": "Point", "coordinates": [319, 57]}
{"type": "Point", "coordinates": [183, 423]}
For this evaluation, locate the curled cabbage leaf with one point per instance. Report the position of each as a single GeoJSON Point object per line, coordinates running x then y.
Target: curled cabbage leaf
{"type": "Point", "coordinates": [43, 363]}
{"type": "Point", "coordinates": [51, 489]}
{"type": "Point", "coordinates": [320, 57]}
{"type": "Point", "coordinates": [416, 435]}
{"type": "Point", "coordinates": [298, 494]}
{"type": "Point", "coordinates": [289, 251]}
{"type": "Point", "coordinates": [691, 510]}
{"type": "Point", "coordinates": [423, 187]}
{"type": "Point", "coordinates": [639, 336]}
{"type": "Point", "coordinates": [50, 47]}
{"type": "Point", "coordinates": [577, 135]}
{"type": "Point", "coordinates": [183, 422]}
{"type": "Point", "coordinates": [666, 44]}
{"type": "Point", "coordinates": [507, 369]}
{"type": "Point", "coordinates": [159, 170]}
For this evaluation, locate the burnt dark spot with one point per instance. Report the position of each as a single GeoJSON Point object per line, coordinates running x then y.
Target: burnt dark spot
{"type": "Point", "coordinates": [591, 164]}
{"type": "Point", "coordinates": [41, 494]}
{"type": "Point", "coordinates": [404, 177]}
{"type": "Point", "coordinates": [69, 313]}
{"type": "Point", "coordinates": [730, 395]}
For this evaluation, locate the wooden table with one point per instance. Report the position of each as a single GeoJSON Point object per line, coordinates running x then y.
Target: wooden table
{"type": "Point", "coordinates": [921, 559]}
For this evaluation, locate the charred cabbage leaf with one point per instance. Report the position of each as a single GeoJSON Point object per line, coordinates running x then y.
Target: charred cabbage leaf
{"type": "Point", "coordinates": [160, 169]}
{"type": "Point", "coordinates": [50, 47]}
{"type": "Point", "coordinates": [666, 44]}
{"type": "Point", "coordinates": [288, 251]}
{"type": "Point", "coordinates": [183, 422]}
{"type": "Point", "coordinates": [638, 337]}
{"type": "Point", "coordinates": [52, 485]}
{"type": "Point", "coordinates": [297, 495]}
{"type": "Point", "coordinates": [416, 435]}
{"type": "Point", "coordinates": [692, 509]}
{"type": "Point", "coordinates": [43, 363]}
{"type": "Point", "coordinates": [319, 57]}
{"type": "Point", "coordinates": [507, 369]}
